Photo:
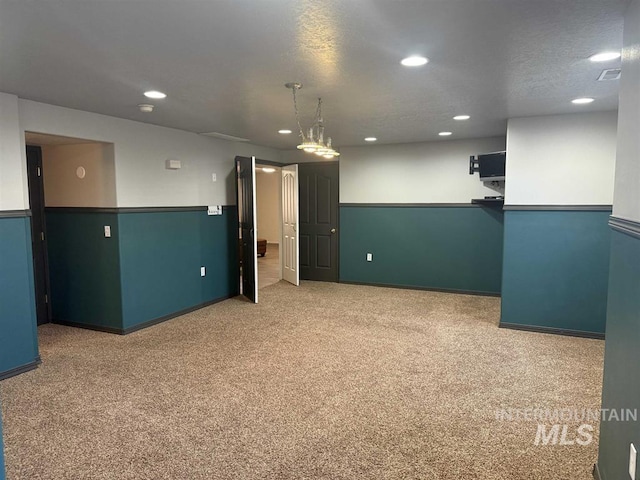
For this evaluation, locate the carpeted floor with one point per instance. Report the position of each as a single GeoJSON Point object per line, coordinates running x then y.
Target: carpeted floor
{"type": "Point", "coordinates": [323, 381]}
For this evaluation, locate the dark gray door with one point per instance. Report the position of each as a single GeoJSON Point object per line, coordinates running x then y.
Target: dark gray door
{"type": "Point", "coordinates": [246, 197]}
{"type": "Point", "coordinates": [318, 221]}
{"type": "Point", "coordinates": [38, 234]}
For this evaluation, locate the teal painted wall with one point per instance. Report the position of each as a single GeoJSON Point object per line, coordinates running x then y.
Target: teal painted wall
{"type": "Point", "coordinates": [621, 386]}
{"type": "Point", "coordinates": [556, 266]}
{"type": "Point", "coordinates": [18, 335]}
{"type": "Point", "coordinates": [160, 258]}
{"type": "Point", "coordinates": [453, 248]}
{"type": "Point", "coordinates": [149, 268]}
{"type": "Point", "coordinates": [84, 268]}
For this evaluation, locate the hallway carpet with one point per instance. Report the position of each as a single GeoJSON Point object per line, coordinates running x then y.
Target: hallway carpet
{"type": "Point", "coordinates": [323, 381]}
{"type": "Point", "coordinates": [269, 267]}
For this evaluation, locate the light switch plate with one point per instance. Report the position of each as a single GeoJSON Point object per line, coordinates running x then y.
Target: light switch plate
{"type": "Point", "coordinates": [632, 461]}
{"type": "Point", "coordinates": [214, 177]}
{"type": "Point", "coordinates": [202, 271]}
{"type": "Point", "coordinates": [107, 231]}
{"type": "Point", "coordinates": [369, 257]}
{"type": "Point", "coordinates": [214, 210]}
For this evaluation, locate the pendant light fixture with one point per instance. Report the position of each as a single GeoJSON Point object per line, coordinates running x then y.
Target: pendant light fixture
{"type": "Point", "coordinates": [313, 140]}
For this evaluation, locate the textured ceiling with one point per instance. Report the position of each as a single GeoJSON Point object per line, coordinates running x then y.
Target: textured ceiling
{"type": "Point", "coordinates": [223, 63]}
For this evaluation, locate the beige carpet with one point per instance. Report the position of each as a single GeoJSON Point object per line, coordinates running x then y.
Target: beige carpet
{"type": "Point", "coordinates": [321, 381]}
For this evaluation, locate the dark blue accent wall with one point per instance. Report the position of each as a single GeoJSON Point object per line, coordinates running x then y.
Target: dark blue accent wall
{"type": "Point", "coordinates": [160, 258]}
{"type": "Point", "coordinates": [556, 266]}
{"type": "Point", "coordinates": [621, 387]}
{"type": "Point", "coordinates": [84, 268]}
{"type": "Point", "coordinates": [148, 269]}
{"type": "Point", "coordinates": [451, 248]}
{"type": "Point", "coordinates": [18, 337]}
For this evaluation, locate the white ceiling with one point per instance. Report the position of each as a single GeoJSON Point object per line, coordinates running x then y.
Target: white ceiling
{"type": "Point", "coordinates": [223, 63]}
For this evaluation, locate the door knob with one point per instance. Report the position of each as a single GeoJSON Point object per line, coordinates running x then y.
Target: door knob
{"type": "Point", "coordinates": [333, 230]}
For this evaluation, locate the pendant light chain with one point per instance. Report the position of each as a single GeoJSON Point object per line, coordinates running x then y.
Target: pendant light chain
{"type": "Point", "coordinates": [295, 108]}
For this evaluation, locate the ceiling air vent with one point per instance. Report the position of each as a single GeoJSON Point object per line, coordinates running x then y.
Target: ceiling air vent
{"type": "Point", "coordinates": [224, 136]}
{"type": "Point", "coordinates": [610, 74]}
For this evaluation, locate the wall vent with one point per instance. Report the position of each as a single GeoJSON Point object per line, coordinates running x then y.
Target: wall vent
{"type": "Point", "coordinates": [610, 74]}
{"type": "Point", "coordinates": [224, 136]}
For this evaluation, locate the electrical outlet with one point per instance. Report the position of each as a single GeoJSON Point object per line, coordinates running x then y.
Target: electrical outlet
{"type": "Point", "coordinates": [632, 461]}
{"type": "Point", "coordinates": [202, 272]}
{"type": "Point", "coordinates": [369, 257]}
{"type": "Point", "coordinates": [214, 177]}
{"type": "Point", "coordinates": [107, 231]}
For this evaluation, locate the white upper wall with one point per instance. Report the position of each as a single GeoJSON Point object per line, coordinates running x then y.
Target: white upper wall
{"type": "Point", "coordinates": [298, 156]}
{"type": "Point", "coordinates": [13, 177]}
{"type": "Point", "coordinates": [63, 187]}
{"type": "Point", "coordinates": [244, 149]}
{"type": "Point", "coordinates": [627, 184]}
{"type": "Point", "coordinates": [561, 159]}
{"type": "Point", "coordinates": [141, 151]}
{"type": "Point", "coordinates": [553, 160]}
{"type": "Point", "coordinates": [431, 172]}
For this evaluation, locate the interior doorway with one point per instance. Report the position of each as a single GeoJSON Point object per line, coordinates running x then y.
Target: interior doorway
{"type": "Point", "coordinates": [269, 223]}
{"type": "Point", "coordinates": [314, 230]}
{"type": "Point", "coordinates": [63, 173]}
{"type": "Point", "coordinates": [298, 207]}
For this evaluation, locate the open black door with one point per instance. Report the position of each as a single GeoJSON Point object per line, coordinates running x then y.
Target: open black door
{"type": "Point", "coordinates": [318, 221]}
{"type": "Point", "coordinates": [38, 234]}
{"type": "Point", "coordinates": [246, 198]}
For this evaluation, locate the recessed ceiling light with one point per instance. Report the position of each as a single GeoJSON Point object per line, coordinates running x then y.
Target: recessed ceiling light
{"type": "Point", "coordinates": [145, 107]}
{"type": "Point", "coordinates": [461, 117]}
{"type": "Point", "coordinates": [604, 56]}
{"type": "Point", "coordinates": [445, 134]}
{"type": "Point", "coordinates": [268, 169]}
{"type": "Point", "coordinates": [582, 101]}
{"type": "Point", "coordinates": [155, 94]}
{"type": "Point", "coordinates": [284, 131]}
{"type": "Point", "coordinates": [414, 61]}
{"type": "Point", "coordinates": [370, 139]}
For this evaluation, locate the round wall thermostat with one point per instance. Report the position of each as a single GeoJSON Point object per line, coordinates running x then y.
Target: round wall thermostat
{"type": "Point", "coordinates": [80, 172]}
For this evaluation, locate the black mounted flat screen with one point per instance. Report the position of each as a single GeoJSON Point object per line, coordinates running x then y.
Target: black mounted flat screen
{"type": "Point", "coordinates": [491, 166]}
